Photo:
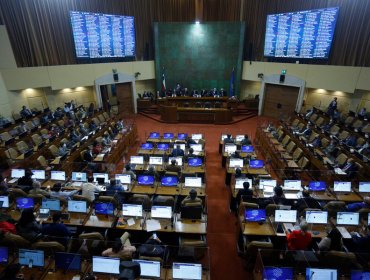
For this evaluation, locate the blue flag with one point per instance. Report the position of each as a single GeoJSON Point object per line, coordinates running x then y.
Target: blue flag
{"type": "Point", "coordinates": [232, 78]}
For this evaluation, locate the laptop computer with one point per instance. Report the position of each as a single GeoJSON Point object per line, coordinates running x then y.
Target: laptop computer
{"type": "Point", "coordinates": [155, 160]}
{"type": "Point", "coordinates": [154, 135]}
{"type": "Point", "coordinates": [168, 135]}
{"type": "Point", "coordinates": [161, 212]}
{"type": "Point", "coordinates": [67, 261]}
{"type": "Point", "coordinates": [285, 216]}
{"type": "Point", "coordinates": [360, 275]}
{"type": "Point", "coordinates": [5, 201]}
{"type": "Point", "coordinates": [267, 182]}
{"type": "Point", "coordinates": [236, 162]}
{"type": "Point", "coordinates": [38, 174]}
{"type": "Point", "coordinates": [292, 185]}
{"type": "Point", "coordinates": [105, 265]}
{"type": "Point", "coordinates": [364, 187]}
{"type": "Point", "coordinates": [16, 174]}
{"type": "Point", "coordinates": [196, 147]}
{"type": "Point", "coordinates": [342, 186]}
{"type": "Point", "coordinates": [163, 146]}
{"type": "Point", "coordinates": [193, 182]}
{"type": "Point", "coordinates": [277, 273]}
{"type": "Point", "coordinates": [104, 208]}
{"type": "Point", "coordinates": [146, 180]}
{"type": "Point", "coordinates": [78, 178]}
{"type": "Point", "coordinates": [195, 162]}
{"type": "Point", "coordinates": [182, 136]}
{"type": "Point", "coordinates": [197, 136]}
{"type": "Point", "coordinates": [192, 271]}
{"type": "Point", "coordinates": [44, 213]}
{"type": "Point", "coordinates": [255, 215]}
{"type": "Point", "coordinates": [31, 258]}
{"type": "Point", "coordinates": [104, 178]}
{"type": "Point", "coordinates": [136, 160]}
{"type": "Point", "coordinates": [348, 218]}
{"type": "Point", "coordinates": [317, 217]}
{"type": "Point", "coordinates": [240, 181]}
{"type": "Point", "coordinates": [223, 136]}
{"type": "Point", "coordinates": [57, 175]}
{"type": "Point", "coordinates": [132, 210]}
{"type": "Point", "coordinates": [256, 163]}
{"type": "Point", "coordinates": [317, 186]}
{"type": "Point", "coordinates": [149, 269]}
{"type": "Point", "coordinates": [230, 148]}
{"type": "Point", "coordinates": [24, 203]}
{"type": "Point", "coordinates": [321, 273]}
{"type": "Point", "coordinates": [4, 255]}
{"type": "Point", "coordinates": [178, 160]}
{"type": "Point", "coordinates": [147, 146]}
{"type": "Point", "coordinates": [77, 206]}
{"type": "Point", "coordinates": [52, 204]}
{"type": "Point", "coordinates": [247, 149]}
{"type": "Point", "coordinates": [169, 181]}
{"type": "Point", "coordinates": [239, 137]}
{"type": "Point", "coordinates": [124, 179]}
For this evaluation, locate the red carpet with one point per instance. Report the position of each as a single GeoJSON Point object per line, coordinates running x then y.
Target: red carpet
{"type": "Point", "coordinates": [222, 225]}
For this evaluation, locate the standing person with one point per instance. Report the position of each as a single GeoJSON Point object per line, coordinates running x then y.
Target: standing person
{"type": "Point", "coordinates": [332, 106]}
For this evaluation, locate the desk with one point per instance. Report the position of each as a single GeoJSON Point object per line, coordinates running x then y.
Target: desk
{"type": "Point", "coordinates": [348, 197]}
{"type": "Point", "coordinates": [189, 226]}
{"type": "Point", "coordinates": [168, 190]}
{"type": "Point", "coordinates": [205, 275]}
{"type": "Point", "coordinates": [75, 219]}
{"type": "Point", "coordinates": [58, 274]}
{"type": "Point", "coordinates": [166, 224]}
{"type": "Point", "coordinates": [102, 221]}
{"type": "Point", "coordinates": [140, 189]}
{"type": "Point", "coordinates": [122, 223]}
{"type": "Point", "coordinates": [200, 191]}
{"type": "Point", "coordinates": [254, 228]}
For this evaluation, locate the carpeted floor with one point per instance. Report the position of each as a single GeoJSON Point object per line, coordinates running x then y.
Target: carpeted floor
{"type": "Point", "coordinates": [222, 225]}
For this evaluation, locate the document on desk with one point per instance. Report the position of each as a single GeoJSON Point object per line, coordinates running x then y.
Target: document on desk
{"type": "Point", "coordinates": [344, 232]}
{"type": "Point", "coordinates": [152, 225]}
{"type": "Point", "coordinates": [339, 171]}
{"type": "Point", "coordinates": [131, 222]}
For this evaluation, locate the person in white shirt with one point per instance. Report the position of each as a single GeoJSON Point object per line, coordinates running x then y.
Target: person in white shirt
{"type": "Point", "coordinates": [88, 189]}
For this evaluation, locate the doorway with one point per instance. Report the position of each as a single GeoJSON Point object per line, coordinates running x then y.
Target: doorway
{"type": "Point", "coordinates": [124, 98]}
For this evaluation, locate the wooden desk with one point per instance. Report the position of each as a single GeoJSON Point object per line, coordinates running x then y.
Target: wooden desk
{"type": "Point", "coordinates": [140, 189]}
{"type": "Point", "coordinates": [348, 197]}
{"type": "Point", "coordinates": [122, 223]}
{"type": "Point", "coordinates": [166, 224]}
{"type": "Point", "coordinates": [101, 221]}
{"type": "Point", "coordinates": [76, 219]}
{"type": "Point", "coordinates": [257, 171]}
{"type": "Point", "coordinates": [189, 226]}
{"type": "Point", "coordinates": [326, 196]}
{"type": "Point", "coordinates": [58, 274]}
{"type": "Point", "coordinates": [200, 191]}
{"type": "Point", "coordinates": [161, 190]}
{"type": "Point", "coordinates": [205, 274]}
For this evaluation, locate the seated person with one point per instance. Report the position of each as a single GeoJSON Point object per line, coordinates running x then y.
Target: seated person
{"type": "Point", "coordinates": [355, 206]}
{"type": "Point", "coordinates": [88, 189]}
{"type": "Point", "coordinates": [336, 115]}
{"type": "Point", "coordinates": [57, 229]}
{"type": "Point", "coordinates": [97, 148]}
{"type": "Point", "coordinates": [307, 201]}
{"type": "Point", "coordinates": [115, 189]}
{"type": "Point", "coordinates": [305, 132]}
{"type": "Point", "coordinates": [88, 155]}
{"type": "Point", "coordinates": [350, 167]}
{"type": "Point", "coordinates": [362, 112]}
{"type": "Point", "coordinates": [278, 197]}
{"type": "Point", "coordinates": [28, 227]}
{"type": "Point", "coordinates": [316, 143]}
{"type": "Point", "coordinates": [361, 242]}
{"type": "Point", "coordinates": [3, 185]}
{"type": "Point", "coordinates": [189, 155]}
{"type": "Point", "coordinates": [364, 148]}
{"type": "Point", "coordinates": [299, 239]}
{"type": "Point", "coordinates": [173, 167]}
{"type": "Point", "coordinates": [189, 141]}
{"type": "Point", "coordinates": [351, 140]}
{"type": "Point", "coordinates": [236, 154]}
{"type": "Point", "coordinates": [191, 198]}
{"type": "Point", "coordinates": [121, 248]}
{"type": "Point", "coordinates": [37, 189]}
{"type": "Point", "coordinates": [238, 173]}
{"type": "Point", "coordinates": [308, 114]}
{"type": "Point", "coordinates": [26, 182]}
{"type": "Point", "coordinates": [83, 129]}
{"type": "Point", "coordinates": [244, 192]}
{"type": "Point", "coordinates": [56, 191]}
{"type": "Point", "coordinates": [151, 171]}
{"type": "Point", "coordinates": [177, 152]}
{"type": "Point", "coordinates": [332, 149]}
{"type": "Point", "coordinates": [58, 113]}
{"type": "Point", "coordinates": [128, 170]}
{"type": "Point", "coordinates": [63, 150]}
{"type": "Point", "coordinates": [326, 127]}
{"type": "Point", "coordinates": [333, 241]}
{"type": "Point", "coordinates": [228, 140]}
{"type": "Point", "coordinates": [246, 141]}
{"type": "Point", "coordinates": [92, 126]}
{"type": "Point", "coordinates": [25, 112]}
{"type": "Point", "coordinates": [106, 140]}
{"type": "Point", "coordinates": [74, 137]}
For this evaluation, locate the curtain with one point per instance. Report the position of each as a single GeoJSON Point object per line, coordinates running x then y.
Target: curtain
{"type": "Point", "coordinates": [221, 10]}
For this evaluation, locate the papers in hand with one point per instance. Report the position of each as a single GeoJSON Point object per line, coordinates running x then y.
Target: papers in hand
{"type": "Point", "coordinates": [339, 171]}
{"type": "Point", "coordinates": [152, 225]}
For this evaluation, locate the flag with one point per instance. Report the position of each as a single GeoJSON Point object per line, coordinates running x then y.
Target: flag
{"type": "Point", "coordinates": [163, 81]}
{"type": "Point", "coordinates": [232, 78]}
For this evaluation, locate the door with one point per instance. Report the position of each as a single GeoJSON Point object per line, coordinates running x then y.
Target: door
{"type": "Point", "coordinates": [279, 101]}
{"type": "Point", "coordinates": [124, 98]}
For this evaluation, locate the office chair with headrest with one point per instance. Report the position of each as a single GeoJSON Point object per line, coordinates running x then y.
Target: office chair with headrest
{"type": "Point", "coordinates": [192, 247]}
{"type": "Point", "coordinates": [49, 247]}
{"type": "Point", "coordinates": [142, 199]}
{"type": "Point", "coordinates": [129, 270]}
{"type": "Point", "coordinates": [79, 197]}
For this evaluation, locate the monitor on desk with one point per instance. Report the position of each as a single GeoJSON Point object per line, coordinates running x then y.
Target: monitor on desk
{"type": "Point", "coordinates": [197, 136]}
{"type": "Point", "coordinates": [239, 137]}
{"type": "Point", "coordinates": [168, 135]}
{"type": "Point", "coordinates": [317, 217]}
{"type": "Point", "coordinates": [285, 216]}
{"type": "Point", "coordinates": [342, 186]}
{"type": "Point", "coordinates": [255, 215]}
{"type": "Point", "coordinates": [155, 160]}
{"type": "Point", "coordinates": [192, 271]}
{"type": "Point", "coordinates": [67, 261]}
{"type": "Point", "coordinates": [38, 174]}
{"type": "Point", "coordinates": [137, 160]}
{"type": "Point", "coordinates": [5, 201]}
{"type": "Point", "coordinates": [230, 148]}
{"type": "Point", "coordinates": [182, 136]}
{"type": "Point", "coordinates": [317, 186]}
{"type": "Point", "coordinates": [195, 162]}
{"type": "Point", "coordinates": [104, 208]}
{"type": "Point", "coordinates": [146, 180]}
{"type": "Point", "coordinates": [52, 204]}
{"type": "Point", "coordinates": [360, 275]}
{"type": "Point", "coordinates": [77, 206]}
{"type": "Point", "coordinates": [105, 265]}
{"type": "Point", "coordinates": [240, 181]}
{"type": "Point", "coordinates": [348, 218]}
{"type": "Point", "coordinates": [4, 255]}
{"type": "Point", "coordinates": [178, 160]}
{"type": "Point", "coordinates": [197, 147]}
{"type": "Point", "coordinates": [170, 181]}
{"type": "Point", "coordinates": [132, 210]}
{"type": "Point", "coordinates": [58, 175]}
{"type": "Point", "coordinates": [147, 146]}
{"type": "Point", "coordinates": [368, 219]}
{"type": "Point", "coordinates": [154, 135]}
{"type": "Point", "coordinates": [79, 177]}
{"type": "Point", "coordinates": [256, 163]}
{"type": "Point", "coordinates": [182, 146]}
{"type": "Point", "coordinates": [236, 162]}
{"type": "Point", "coordinates": [247, 149]}
{"type": "Point", "coordinates": [364, 187]}
{"type": "Point", "coordinates": [193, 182]}
{"type": "Point", "coordinates": [164, 212]}
{"type": "Point", "coordinates": [292, 185]}
{"type": "Point", "coordinates": [25, 202]}
{"type": "Point", "coordinates": [17, 173]}
{"type": "Point", "coordinates": [101, 175]}
{"type": "Point", "coordinates": [31, 258]}
{"type": "Point", "coordinates": [223, 136]}
{"type": "Point", "coordinates": [321, 273]}
{"type": "Point", "coordinates": [163, 146]}
{"type": "Point", "coordinates": [123, 178]}
{"type": "Point", "coordinates": [277, 273]}
{"type": "Point", "coordinates": [267, 182]}
{"type": "Point", "coordinates": [150, 269]}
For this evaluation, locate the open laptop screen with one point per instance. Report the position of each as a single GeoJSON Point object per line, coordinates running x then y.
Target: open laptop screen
{"type": "Point", "coordinates": [168, 135]}
{"type": "Point", "coordinates": [192, 271]}
{"type": "Point", "coordinates": [321, 273]}
{"type": "Point", "coordinates": [154, 135]}
{"type": "Point", "coordinates": [230, 148]}
{"type": "Point", "coordinates": [178, 160]}
{"type": "Point", "coordinates": [17, 173]}
{"type": "Point", "coordinates": [52, 204]}
{"type": "Point", "coordinates": [223, 136]}
{"type": "Point", "coordinates": [236, 162]}
{"type": "Point", "coordinates": [104, 208]}
{"type": "Point", "coordinates": [194, 182]}
{"type": "Point", "coordinates": [267, 182]}
{"type": "Point", "coordinates": [317, 217]}
{"type": "Point", "coordinates": [77, 206]}
{"type": "Point", "coordinates": [196, 147]}
{"type": "Point", "coordinates": [348, 218]}
{"type": "Point", "coordinates": [5, 201]}
{"type": "Point", "coordinates": [196, 136]}
{"type": "Point", "coordinates": [101, 175]}
{"type": "Point", "coordinates": [317, 186]}
{"type": "Point", "coordinates": [164, 212]}
{"type": "Point", "coordinates": [38, 174]}
{"type": "Point", "coordinates": [24, 202]}
{"type": "Point", "coordinates": [194, 162]}
{"type": "Point", "coordinates": [79, 176]}
{"type": "Point", "coordinates": [293, 184]}
{"type": "Point", "coordinates": [182, 136]}
{"type": "Point", "coordinates": [360, 275]}
{"type": "Point", "coordinates": [169, 181]}
{"type": "Point", "coordinates": [67, 261]}
{"type": "Point", "coordinates": [155, 160]}
{"type": "Point", "coordinates": [247, 149]}
{"type": "Point", "coordinates": [132, 210]}
{"type": "Point", "coordinates": [4, 255]}
{"type": "Point", "coordinates": [123, 178]}
{"type": "Point", "coordinates": [147, 146]}
{"type": "Point", "coordinates": [149, 268]}
{"type": "Point", "coordinates": [342, 186]}
{"type": "Point", "coordinates": [163, 146]}
{"type": "Point", "coordinates": [240, 181]}
{"type": "Point", "coordinates": [137, 160]}
{"type": "Point", "coordinates": [285, 216]}
{"type": "Point", "coordinates": [278, 273]}
{"type": "Point", "coordinates": [256, 163]}
{"type": "Point", "coordinates": [239, 137]}
{"type": "Point", "coordinates": [106, 265]}
{"type": "Point", "coordinates": [145, 180]}
{"type": "Point", "coordinates": [255, 215]}
{"type": "Point", "coordinates": [58, 175]}
{"type": "Point", "coordinates": [364, 187]}
{"type": "Point", "coordinates": [31, 257]}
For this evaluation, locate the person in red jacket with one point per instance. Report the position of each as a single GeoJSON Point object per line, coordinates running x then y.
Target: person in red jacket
{"type": "Point", "coordinates": [299, 239]}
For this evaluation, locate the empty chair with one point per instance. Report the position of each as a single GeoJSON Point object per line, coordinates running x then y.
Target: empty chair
{"type": "Point", "coordinates": [334, 206]}
{"type": "Point", "coordinates": [37, 140]}
{"type": "Point", "coordinates": [6, 138]}
{"type": "Point", "coordinates": [186, 105]}
{"type": "Point", "coordinates": [252, 248]}
{"type": "Point", "coordinates": [43, 162]}
{"type": "Point", "coordinates": [61, 123]}
{"type": "Point", "coordinates": [357, 124]}
{"type": "Point", "coordinates": [49, 247]}
{"type": "Point", "coordinates": [341, 159]}
{"type": "Point", "coordinates": [324, 142]}
{"type": "Point", "coordinates": [349, 120]}
{"type": "Point", "coordinates": [11, 155]}
{"type": "Point", "coordinates": [92, 244]}
{"type": "Point", "coordinates": [218, 104]}
{"type": "Point", "coordinates": [101, 119]}
{"type": "Point", "coordinates": [17, 117]}
{"type": "Point", "coordinates": [297, 154]}
{"type": "Point", "coordinates": [142, 199]}
{"type": "Point", "coordinates": [343, 135]}
{"type": "Point", "coordinates": [54, 150]}
{"type": "Point", "coordinates": [285, 140]}
{"type": "Point", "coordinates": [193, 248]}
{"type": "Point", "coordinates": [319, 121]}
{"type": "Point", "coordinates": [198, 104]}
{"type": "Point", "coordinates": [303, 163]}
{"type": "Point", "coordinates": [36, 121]}
{"type": "Point", "coordinates": [313, 117]}
{"type": "Point", "coordinates": [30, 125]}
{"type": "Point", "coordinates": [291, 146]}
{"type": "Point", "coordinates": [207, 104]}
{"type": "Point", "coordinates": [22, 147]}
{"type": "Point", "coordinates": [295, 123]}
{"type": "Point", "coordinates": [106, 116]}
{"type": "Point", "coordinates": [334, 130]}
{"type": "Point", "coordinates": [96, 121]}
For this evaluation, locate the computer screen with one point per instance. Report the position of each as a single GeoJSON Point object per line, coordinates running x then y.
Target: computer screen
{"type": "Point", "coordinates": [223, 136]}
{"type": "Point", "coordinates": [196, 147]}
{"type": "Point", "coordinates": [277, 273]}
{"type": "Point", "coordinates": [247, 149]}
{"type": "Point", "coordinates": [5, 201]}
{"type": "Point", "coordinates": [31, 257]}
{"type": "Point", "coordinates": [164, 212]}
{"type": "Point", "coordinates": [267, 182]}
{"type": "Point", "coordinates": [348, 218]}
{"type": "Point", "coordinates": [77, 206]}
{"type": "Point", "coordinates": [123, 178]}
{"type": "Point", "coordinates": [101, 175]}
{"type": "Point", "coordinates": [79, 176]}
{"type": "Point", "coordinates": [182, 146]}
{"type": "Point", "coordinates": [293, 184]}
{"type": "Point", "coordinates": [360, 275]}
{"type": "Point", "coordinates": [147, 146]}
{"type": "Point", "coordinates": [364, 187]}
{"type": "Point", "coordinates": [24, 202]}
{"type": "Point", "coordinates": [236, 162]}
{"type": "Point", "coordinates": [163, 146]}
{"type": "Point", "coordinates": [191, 271]}
{"type": "Point", "coordinates": [149, 268]}
{"type": "Point", "coordinates": [178, 160]}
{"type": "Point", "coordinates": [368, 219]}
{"type": "Point", "coordinates": [256, 163]}
{"type": "Point", "coordinates": [168, 135]}
{"type": "Point", "coordinates": [194, 182]}
{"type": "Point", "coordinates": [182, 136]}
{"type": "Point", "coordinates": [239, 137]}
{"type": "Point", "coordinates": [230, 148]}
{"type": "Point", "coordinates": [194, 162]}
{"type": "Point", "coordinates": [155, 160]}
{"type": "Point", "coordinates": [137, 160]}
{"type": "Point", "coordinates": [52, 204]}
{"type": "Point", "coordinates": [240, 181]}
{"type": "Point", "coordinates": [132, 210]}
{"type": "Point", "coordinates": [321, 274]}
{"type": "Point", "coordinates": [169, 181]}
{"type": "Point", "coordinates": [255, 215]}
{"type": "Point", "coordinates": [154, 135]}
{"type": "Point", "coordinates": [342, 186]}
{"type": "Point", "coordinates": [38, 174]}
{"type": "Point", "coordinates": [317, 186]}
{"type": "Point", "coordinates": [317, 217]}
{"type": "Point", "coordinates": [4, 255]}
{"type": "Point", "coordinates": [285, 216]}
{"type": "Point", "coordinates": [67, 261]}
{"type": "Point", "coordinates": [17, 173]}
{"type": "Point", "coordinates": [145, 180]}
{"type": "Point", "coordinates": [106, 265]}
{"type": "Point", "coordinates": [58, 175]}
{"type": "Point", "coordinates": [104, 208]}
{"type": "Point", "coordinates": [196, 136]}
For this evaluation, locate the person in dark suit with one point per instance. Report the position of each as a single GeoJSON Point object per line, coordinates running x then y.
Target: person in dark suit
{"type": "Point", "coordinates": [189, 141]}
{"type": "Point", "coordinates": [25, 112]}
{"type": "Point", "coordinates": [245, 192]}
{"type": "Point", "coordinates": [306, 202]}
{"type": "Point", "coordinates": [26, 182]}
{"type": "Point", "coordinates": [173, 167]}
{"type": "Point", "coordinates": [88, 156]}
{"type": "Point", "coordinates": [246, 141]}
{"type": "Point", "coordinates": [177, 152]}
{"type": "Point", "coordinates": [151, 171]}
{"type": "Point", "coordinates": [189, 155]}
{"type": "Point", "coordinates": [332, 106]}
{"type": "Point", "coordinates": [350, 167]}
{"type": "Point", "coordinates": [278, 197]}
{"type": "Point", "coordinates": [228, 140]}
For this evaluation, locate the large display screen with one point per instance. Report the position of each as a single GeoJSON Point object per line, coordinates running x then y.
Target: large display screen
{"type": "Point", "coordinates": [304, 34]}
{"type": "Point", "coordinates": [102, 36]}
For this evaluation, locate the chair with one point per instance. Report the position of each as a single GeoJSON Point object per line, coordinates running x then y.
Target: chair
{"type": "Point", "coordinates": [291, 146]}
{"type": "Point", "coordinates": [218, 104]}
{"type": "Point", "coordinates": [270, 209]}
{"type": "Point", "coordinates": [344, 261]}
{"type": "Point", "coordinates": [313, 118]}
{"type": "Point", "coordinates": [341, 159]}
{"type": "Point", "coordinates": [61, 123]}
{"type": "Point", "coordinates": [37, 140]}
{"type": "Point", "coordinates": [334, 206]}
{"type": "Point", "coordinates": [37, 198]}
{"type": "Point", "coordinates": [295, 122]}
{"type": "Point", "coordinates": [186, 105]}
{"type": "Point", "coordinates": [162, 200]}
{"type": "Point", "coordinates": [82, 198]}
{"type": "Point", "coordinates": [297, 154]}
{"type": "Point", "coordinates": [14, 193]}
{"type": "Point", "coordinates": [30, 126]}
{"type": "Point", "coordinates": [303, 163]}
{"type": "Point", "coordinates": [101, 119]}
{"type": "Point", "coordinates": [17, 117]}
{"type": "Point", "coordinates": [285, 141]}
{"type": "Point", "coordinates": [14, 241]}
{"type": "Point", "coordinates": [49, 247]}
{"type": "Point", "coordinates": [334, 130]}
{"type": "Point", "coordinates": [82, 155]}
{"type": "Point", "coordinates": [106, 116]}
{"type": "Point", "coordinates": [43, 162]}
{"type": "Point", "coordinates": [192, 248]}
{"type": "Point", "coordinates": [357, 124]}
{"type": "Point", "coordinates": [96, 121]}
{"type": "Point", "coordinates": [54, 150]}
{"type": "Point", "coordinates": [12, 155]}
{"type": "Point", "coordinates": [91, 244]}
{"type": "Point", "coordinates": [22, 147]}
{"type": "Point", "coordinates": [198, 104]}
{"type": "Point", "coordinates": [207, 104]}
{"type": "Point", "coordinates": [349, 120]}
{"type": "Point", "coordinates": [252, 248]}
{"type": "Point", "coordinates": [142, 199]}
{"type": "Point", "coordinates": [319, 121]}
{"type": "Point", "coordinates": [325, 142]}
{"type": "Point", "coordinates": [36, 121]}
{"type": "Point", "coordinates": [343, 135]}
{"type": "Point", "coordinates": [6, 137]}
